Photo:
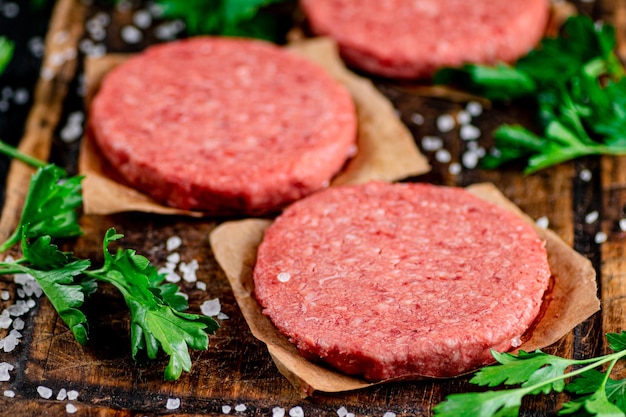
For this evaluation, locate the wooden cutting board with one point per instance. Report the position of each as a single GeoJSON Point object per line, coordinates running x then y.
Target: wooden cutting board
{"type": "Point", "coordinates": [236, 370]}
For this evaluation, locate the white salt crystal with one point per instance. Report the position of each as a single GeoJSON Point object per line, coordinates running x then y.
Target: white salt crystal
{"type": "Point", "coordinates": [5, 368]}
{"type": "Point", "coordinates": [585, 175]}
{"type": "Point", "coordinates": [62, 395]}
{"type": "Point", "coordinates": [222, 316]}
{"type": "Point", "coordinates": [389, 414]}
{"type": "Point", "coordinates": [211, 307]}
{"type": "Point", "coordinates": [201, 285]}
{"type": "Point", "coordinates": [21, 293]}
{"type": "Point", "coordinates": [474, 108]}
{"type": "Point", "coordinates": [9, 393]}
{"type": "Point", "coordinates": [131, 34]}
{"type": "Point", "coordinates": [72, 395]}
{"type": "Point", "coordinates": [278, 412]}
{"type": "Point", "coordinates": [9, 343]}
{"type": "Point", "coordinates": [469, 132]}
{"type": "Point", "coordinates": [44, 392]}
{"type": "Point", "coordinates": [21, 96]}
{"type": "Point", "coordinates": [417, 118]}
{"type": "Point", "coordinates": [600, 237]}
{"type": "Point", "coordinates": [443, 156]}
{"type": "Point", "coordinates": [5, 319]}
{"type": "Point", "coordinates": [142, 19]}
{"type": "Point", "coordinates": [189, 270]}
{"type": "Point", "coordinates": [173, 259]}
{"type": "Point", "coordinates": [18, 324]}
{"type": "Point", "coordinates": [30, 303]}
{"type": "Point", "coordinates": [463, 117]}
{"type": "Point", "coordinates": [240, 407]}
{"type": "Point", "coordinates": [542, 222]}
{"type": "Point", "coordinates": [170, 276]}
{"type": "Point", "coordinates": [445, 123]}
{"type": "Point", "coordinates": [592, 217]}
{"type": "Point", "coordinates": [470, 159]}
{"type": "Point", "coordinates": [11, 10]}
{"type": "Point", "coordinates": [283, 276]}
{"type": "Point", "coordinates": [226, 409]}
{"type": "Point", "coordinates": [622, 225]}
{"type": "Point", "coordinates": [296, 411]}
{"type": "Point", "coordinates": [431, 143]}
{"type": "Point", "coordinates": [454, 168]}
{"type": "Point", "coordinates": [70, 408]}
{"type": "Point", "coordinates": [173, 242]}
{"type": "Point", "coordinates": [342, 411]}
{"type": "Point", "coordinates": [172, 403]}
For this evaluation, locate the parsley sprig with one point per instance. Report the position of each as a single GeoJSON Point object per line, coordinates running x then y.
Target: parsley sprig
{"type": "Point", "coordinates": [536, 373]}
{"type": "Point", "coordinates": [158, 320]}
{"type": "Point", "coordinates": [577, 84]}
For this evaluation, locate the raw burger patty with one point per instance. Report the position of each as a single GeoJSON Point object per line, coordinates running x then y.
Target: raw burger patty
{"type": "Point", "coordinates": [385, 281]}
{"type": "Point", "coordinates": [225, 126]}
{"type": "Point", "coordinates": [411, 39]}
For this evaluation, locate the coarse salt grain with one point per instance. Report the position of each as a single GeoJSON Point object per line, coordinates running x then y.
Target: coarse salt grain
{"type": "Point", "coordinates": [211, 307]}
{"type": "Point", "coordinates": [342, 411]}
{"type": "Point", "coordinates": [431, 143]}
{"type": "Point", "coordinates": [9, 393]}
{"type": "Point", "coordinates": [445, 123]}
{"type": "Point", "coordinates": [600, 237]}
{"type": "Point", "coordinates": [389, 414]}
{"type": "Point", "coordinates": [516, 341]}
{"type": "Point", "coordinates": [72, 395]}
{"type": "Point", "coordinates": [5, 368]}
{"type": "Point", "coordinates": [44, 392]}
{"type": "Point", "coordinates": [172, 403]}
{"type": "Point", "coordinates": [240, 407]}
{"type": "Point", "coordinates": [417, 118]}
{"type": "Point", "coordinates": [19, 324]}
{"type": "Point", "coordinates": [5, 319]}
{"type": "Point", "coordinates": [173, 242]}
{"type": "Point", "coordinates": [585, 175]}
{"type": "Point", "coordinates": [62, 395]}
{"type": "Point", "coordinates": [542, 222]}
{"type": "Point", "coordinates": [131, 34]}
{"type": "Point", "coordinates": [278, 412]}
{"type": "Point", "coordinates": [463, 117]}
{"type": "Point", "coordinates": [470, 159]}
{"type": "Point", "coordinates": [226, 409]}
{"type": "Point", "coordinates": [142, 19]}
{"type": "Point", "coordinates": [455, 168]}
{"type": "Point", "coordinates": [70, 408]}
{"type": "Point", "coordinates": [622, 225]}
{"type": "Point", "coordinates": [443, 156]}
{"type": "Point", "coordinates": [11, 10]}
{"type": "Point", "coordinates": [283, 276]}
{"type": "Point", "coordinates": [591, 217]}
{"type": "Point", "coordinates": [173, 259]}
{"type": "Point", "coordinates": [469, 132]}
{"type": "Point", "coordinates": [474, 108]}
{"type": "Point", "coordinates": [201, 285]}
{"type": "Point", "coordinates": [5, 295]}
{"type": "Point", "coordinates": [189, 270]}
{"type": "Point", "coordinates": [222, 316]}
{"type": "Point", "coordinates": [296, 411]}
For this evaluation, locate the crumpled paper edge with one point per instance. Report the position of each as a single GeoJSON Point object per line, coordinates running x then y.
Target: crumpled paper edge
{"type": "Point", "coordinates": [571, 300]}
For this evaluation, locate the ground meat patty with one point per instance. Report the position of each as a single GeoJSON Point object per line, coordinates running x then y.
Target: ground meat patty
{"type": "Point", "coordinates": [226, 126]}
{"type": "Point", "coordinates": [388, 280]}
{"type": "Point", "coordinates": [411, 39]}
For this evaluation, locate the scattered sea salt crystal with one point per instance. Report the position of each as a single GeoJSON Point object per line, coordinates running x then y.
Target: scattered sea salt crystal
{"type": "Point", "coordinates": [201, 285]}
{"type": "Point", "coordinates": [417, 118]}
{"type": "Point", "coordinates": [296, 411]}
{"type": "Point", "coordinates": [469, 132]}
{"type": "Point", "coordinates": [172, 403]}
{"type": "Point", "coordinates": [170, 276]}
{"type": "Point", "coordinates": [173, 258]}
{"type": "Point", "coordinates": [173, 242]}
{"type": "Point", "coordinates": [445, 123]}
{"type": "Point", "coordinates": [622, 225]}
{"type": "Point", "coordinates": [5, 368]}
{"type": "Point", "coordinates": [600, 237]}
{"type": "Point", "coordinates": [342, 411]}
{"type": "Point", "coordinates": [283, 276]}
{"type": "Point", "coordinates": [474, 108]}
{"type": "Point", "coordinates": [142, 19]}
{"type": "Point", "coordinates": [18, 324]}
{"type": "Point", "coordinates": [470, 159]}
{"type": "Point", "coordinates": [11, 10]}
{"type": "Point", "coordinates": [36, 46]}
{"type": "Point", "coordinates": [454, 168]}
{"type": "Point", "coordinates": [226, 409]}
{"type": "Point", "coordinates": [30, 303]}
{"type": "Point", "coordinates": [62, 395]}
{"type": "Point", "coordinates": [463, 117]}
{"type": "Point", "coordinates": [189, 270]}
{"type": "Point", "coordinates": [240, 407]}
{"type": "Point", "coordinates": [516, 341]}
{"type": "Point", "coordinates": [18, 309]}
{"type": "Point", "coordinates": [70, 408]}
{"type": "Point", "coordinates": [10, 342]}
{"type": "Point", "coordinates": [278, 412]}
{"type": "Point", "coordinates": [5, 319]}
{"type": "Point", "coordinates": [542, 222]}
{"type": "Point", "coordinates": [21, 96]}
{"type": "Point", "coordinates": [21, 293]}
{"type": "Point", "coordinates": [591, 217]}
{"type": "Point", "coordinates": [443, 156]}
{"type": "Point", "coordinates": [389, 414]}
{"type": "Point", "coordinates": [131, 34]}
{"type": "Point", "coordinates": [432, 143]}
{"type": "Point", "coordinates": [211, 307]}
{"type": "Point", "coordinates": [44, 392]}
{"type": "Point", "coordinates": [5, 295]}
{"type": "Point", "coordinates": [72, 395]}
{"type": "Point", "coordinates": [222, 316]}
{"type": "Point", "coordinates": [9, 393]}
{"type": "Point", "coordinates": [585, 175]}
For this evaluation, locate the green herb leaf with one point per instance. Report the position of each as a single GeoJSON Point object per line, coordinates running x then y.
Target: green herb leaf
{"type": "Point", "coordinates": [6, 52]}
{"type": "Point", "coordinates": [156, 321]}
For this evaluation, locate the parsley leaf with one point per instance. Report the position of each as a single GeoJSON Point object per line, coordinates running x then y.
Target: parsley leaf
{"type": "Point", "coordinates": [537, 373]}
{"type": "Point", "coordinates": [247, 18]}
{"type": "Point", "coordinates": [579, 89]}
{"type": "Point", "coordinates": [6, 52]}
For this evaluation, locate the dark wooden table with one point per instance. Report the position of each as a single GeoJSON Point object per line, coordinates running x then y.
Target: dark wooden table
{"type": "Point", "coordinates": [236, 370]}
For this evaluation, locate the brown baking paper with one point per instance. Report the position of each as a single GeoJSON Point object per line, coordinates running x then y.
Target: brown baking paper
{"type": "Point", "coordinates": [386, 149]}
{"type": "Point", "coordinates": [571, 300]}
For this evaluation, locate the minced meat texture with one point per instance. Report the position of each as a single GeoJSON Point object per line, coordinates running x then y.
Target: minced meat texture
{"type": "Point", "coordinates": [390, 280]}
{"type": "Point", "coordinates": [225, 126]}
{"type": "Point", "coordinates": [412, 39]}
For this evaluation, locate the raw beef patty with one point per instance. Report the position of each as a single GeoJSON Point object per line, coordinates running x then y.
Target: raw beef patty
{"type": "Point", "coordinates": [389, 280]}
{"type": "Point", "coordinates": [225, 126]}
{"type": "Point", "coordinates": [411, 39]}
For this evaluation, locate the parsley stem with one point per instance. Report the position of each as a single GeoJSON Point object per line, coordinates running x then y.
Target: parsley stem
{"type": "Point", "coordinates": [20, 156]}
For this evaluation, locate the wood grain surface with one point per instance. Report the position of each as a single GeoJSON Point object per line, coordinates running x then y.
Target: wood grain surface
{"type": "Point", "coordinates": [236, 369]}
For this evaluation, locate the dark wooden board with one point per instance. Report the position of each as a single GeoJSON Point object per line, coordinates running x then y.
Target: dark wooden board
{"type": "Point", "coordinates": [236, 369]}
